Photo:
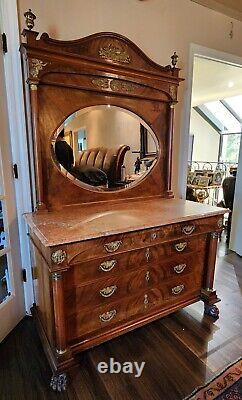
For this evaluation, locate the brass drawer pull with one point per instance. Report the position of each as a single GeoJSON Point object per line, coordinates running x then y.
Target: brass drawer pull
{"type": "Point", "coordinates": [179, 268]}
{"type": "Point", "coordinates": [108, 291]}
{"type": "Point", "coordinates": [147, 254]}
{"type": "Point", "coordinates": [147, 276]}
{"type": "Point", "coordinates": [153, 236]}
{"type": "Point", "coordinates": [188, 229]}
{"type": "Point", "coordinates": [107, 266]}
{"type": "Point", "coordinates": [106, 317]}
{"type": "Point", "coordinates": [178, 289]}
{"type": "Point", "coordinates": [180, 246]}
{"type": "Point", "coordinates": [113, 246]}
{"type": "Point", "coordinates": [146, 300]}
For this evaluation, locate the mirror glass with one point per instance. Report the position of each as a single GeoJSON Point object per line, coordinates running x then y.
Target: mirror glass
{"type": "Point", "coordinates": [104, 147]}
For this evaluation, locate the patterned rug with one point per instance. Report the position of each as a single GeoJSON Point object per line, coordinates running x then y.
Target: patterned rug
{"type": "Point", "coordinates": [226, 386]}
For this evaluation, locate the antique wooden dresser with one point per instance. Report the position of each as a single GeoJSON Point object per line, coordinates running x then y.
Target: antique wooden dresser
{"type": "Point", "coordinates": [108, 258]}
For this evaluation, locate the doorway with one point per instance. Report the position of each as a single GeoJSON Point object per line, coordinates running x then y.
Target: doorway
{"type": "Point", "coordinates": [12, 307]}
{"type": "Point", "coordinates": [214, 129]}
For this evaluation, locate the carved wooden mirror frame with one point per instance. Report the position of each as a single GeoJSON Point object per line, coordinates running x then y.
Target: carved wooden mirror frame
{"type": "Point", "coordinates": [104, 68]}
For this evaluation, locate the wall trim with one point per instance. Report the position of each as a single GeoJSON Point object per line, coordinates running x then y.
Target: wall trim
{"type": "Point", "coordinates": [18, 134]}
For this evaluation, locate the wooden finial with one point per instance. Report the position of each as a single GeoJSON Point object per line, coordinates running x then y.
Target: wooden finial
{"type": "Point", "coordinates": [29, 19]}
{"type": "Point", "coordinates": [174, 59]}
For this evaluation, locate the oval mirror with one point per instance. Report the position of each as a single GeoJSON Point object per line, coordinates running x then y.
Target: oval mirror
{"type": "Point", "coordinates": [104, 148]}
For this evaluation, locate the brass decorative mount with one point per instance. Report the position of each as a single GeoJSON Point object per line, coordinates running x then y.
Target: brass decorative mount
{"type": "Point", "coordinates": [29, 19]}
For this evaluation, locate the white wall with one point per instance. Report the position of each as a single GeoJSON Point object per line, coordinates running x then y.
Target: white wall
{"type": "Point", "coordinates": [158, 26]}
{"type": "Point", "coordinates": [206, 139]}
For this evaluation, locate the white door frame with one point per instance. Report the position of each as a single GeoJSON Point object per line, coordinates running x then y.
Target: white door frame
{"type": "Point", "coordinates": [12, 308]}
{"type": "Point", "coordinates": [205, 52]}
{"type": "Point", "coordinates": [18, 134]}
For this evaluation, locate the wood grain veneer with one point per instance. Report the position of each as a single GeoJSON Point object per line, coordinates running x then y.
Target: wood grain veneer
{"type": "Point", "coordinates": [107, 262]}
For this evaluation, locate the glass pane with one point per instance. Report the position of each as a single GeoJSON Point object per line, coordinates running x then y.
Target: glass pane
{"type": "Point", "coordinates": [231, 146]}
{"type": "Point", "coordinates": [236, 104]}
{"type": "Point", "coordinates": [3, 237]}
{"type": "Point", "coordinates": [230, 123]}
{"type": "Point", "coordinates": [4, 278]}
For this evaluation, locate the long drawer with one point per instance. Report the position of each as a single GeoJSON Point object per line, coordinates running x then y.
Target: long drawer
{"type": "Point", "coordinates": [163, 296]}
{"type": "Point", "coordinates": [174, 253]}
{"type": "Point", "coordinates": [112, 245]}
{"type": "Point", "coordinates": [106, 290]}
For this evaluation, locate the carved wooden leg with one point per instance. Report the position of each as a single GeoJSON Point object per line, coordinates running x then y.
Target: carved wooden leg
{"type": "Point", "coordinates": [211, 310]}
{"type": "Point", "coordinates": [208, 294]}
{"type": "Point", "coordinates": [58, 382]}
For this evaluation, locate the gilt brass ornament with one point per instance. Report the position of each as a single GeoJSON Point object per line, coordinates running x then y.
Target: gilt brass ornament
{"type": "Point", "coordinates": [112, 246]}
{"type": "Point", "coordinates": [180, 246]}
{"type": "Point", "coordinates": [107, 266]}
{"type": "Point", "coordinates": [177, 289]}
{"type": "Point", "coordinates": [188, 229]}
{"type": "Point", "coordinates": [29, 19]}
{"type": "Point", "coordinates": [106, 317]}
{"type": "Point", "coordinates": [115, 53]}
{"type": "Point", "coordinates": [108, 291]}
{"type": "Point", "coordinates": [35, 66]}
{"type": "Point", "coordinates": [58, 256]}
{"type": "Point", "coordinates": [102, 83]}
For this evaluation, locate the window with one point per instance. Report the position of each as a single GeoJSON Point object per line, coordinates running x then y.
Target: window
{"type": "Point", "coordinates": [230, 148]}
{"type": "Point", "coordinates": [229, 122]}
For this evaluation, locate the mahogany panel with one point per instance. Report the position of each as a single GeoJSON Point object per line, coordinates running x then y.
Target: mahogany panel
{"type": "Point", "coordinates": [122, 243]}
{"type": "Point", "coordinates": [43, 292]}
{"type": "Point", "coordinates": [109, 269]}
{"type": "Point", "coordinates": [80, 324]}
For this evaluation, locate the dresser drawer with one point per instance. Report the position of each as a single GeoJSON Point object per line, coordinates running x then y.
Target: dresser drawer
{"type": "Point", "coordinates": [164, 295]}
{"type": "Point", "coordinates": [90, 320]}
{"type": "Point", "coordinates": [122, 263]}
{"type": "Point", "coordinates": [112, 245]}
{"type": "Point", "coordinates": [107, 290]}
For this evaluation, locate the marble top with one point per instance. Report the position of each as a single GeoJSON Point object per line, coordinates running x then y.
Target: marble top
{"type": "Point", "coordinates": [82, 222]}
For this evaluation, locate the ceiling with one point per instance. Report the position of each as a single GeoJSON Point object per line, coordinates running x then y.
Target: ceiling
{"type": "Point", "coordinates": [213, 80]}
{"type": "Point", "coordinates": [232, 8]}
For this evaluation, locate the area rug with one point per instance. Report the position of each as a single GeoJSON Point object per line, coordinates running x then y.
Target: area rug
{"type": "Point", "coordinates": [226, 386]}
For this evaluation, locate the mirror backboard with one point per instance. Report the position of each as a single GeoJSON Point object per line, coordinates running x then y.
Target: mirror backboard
{"type": "Point", "coordinates": [104, 148]}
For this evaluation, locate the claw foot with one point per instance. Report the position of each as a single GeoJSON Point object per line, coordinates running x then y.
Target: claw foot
{"type": "Point", "coordinates": [211, 310]}
{"type": "Point", "coordinates": [58, 382]}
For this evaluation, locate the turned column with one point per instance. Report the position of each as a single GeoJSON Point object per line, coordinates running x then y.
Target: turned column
{"type": "Point", "coordinates": [208, 294]}
{"type": "Point", "coordinates": [58, 300]}
{"type": "Point", "coordinates": [169, 148]}
{"type": "Point", "coordinates": [37, 146]}
{"type": "Point", "coordinates": [212, 253]}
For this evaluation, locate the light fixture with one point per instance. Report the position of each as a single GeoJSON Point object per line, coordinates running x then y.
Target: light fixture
{"type": "Point", "coordinates": [230, 84]}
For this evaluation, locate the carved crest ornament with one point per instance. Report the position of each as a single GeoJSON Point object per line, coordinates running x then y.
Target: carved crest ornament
{"type": "Point", "coordinates": [116, 53]}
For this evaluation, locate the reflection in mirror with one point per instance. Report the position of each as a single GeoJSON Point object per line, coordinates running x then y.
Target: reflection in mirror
{"type": "Point", "coordinates": [106, 147]}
